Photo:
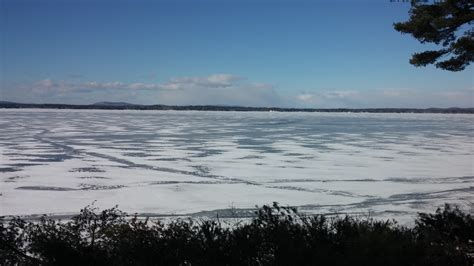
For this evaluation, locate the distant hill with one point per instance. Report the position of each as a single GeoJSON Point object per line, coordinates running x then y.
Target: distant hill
{"type": "Point", "coordinates": [129, 106]}
{"type": "Point", "coordinates": [113, 104]}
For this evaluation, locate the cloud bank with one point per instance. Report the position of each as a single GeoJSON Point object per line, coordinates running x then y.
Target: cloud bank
{"type": "Point", "coordinates": [216, 89]}
{"type": "Point", "coordinates": [388, 98]}
{"type": "Point", "coordinates": [213, 81]}
{"type": "Point", "coordinates": [228, 89]}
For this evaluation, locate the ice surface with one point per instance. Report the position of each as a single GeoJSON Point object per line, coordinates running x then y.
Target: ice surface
{"type": "Point", "coordinates": [170, 162]}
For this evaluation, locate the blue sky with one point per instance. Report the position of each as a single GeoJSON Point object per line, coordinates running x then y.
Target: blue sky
{"type": "Point", "coordinates": [253, 53]}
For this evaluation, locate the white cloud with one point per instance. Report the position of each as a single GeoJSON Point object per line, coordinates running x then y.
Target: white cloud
{"type": "Point", "coordinates": [305, 97]}
{"type": "Point", "coordinates": [216, 89]}
{"type": "Point", "coordinates": [212, 81]}
{"type": "Point", "coordinates": [227, 89]}
{"type": "Point", "coordinates": [327, 99]}
{"type": "Point", "coordinates": [387, 97]}
{"type": "Point", "coordinates": [242, 95]}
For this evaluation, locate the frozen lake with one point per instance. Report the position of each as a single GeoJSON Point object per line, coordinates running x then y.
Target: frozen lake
{"type": "Point", "coordinates": [178, 162]}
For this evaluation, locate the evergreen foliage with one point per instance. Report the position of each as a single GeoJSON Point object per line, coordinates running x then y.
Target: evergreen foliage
{"type": "Point", "coordinates": [447, 23]}
{"type": "Point", "coordinates": [276, 236]}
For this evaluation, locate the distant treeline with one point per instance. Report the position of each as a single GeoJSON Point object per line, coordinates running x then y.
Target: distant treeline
{"type": "Point", "coordinates": [276, 236]}
{"type": "Point", "coordinates": [125, 106]}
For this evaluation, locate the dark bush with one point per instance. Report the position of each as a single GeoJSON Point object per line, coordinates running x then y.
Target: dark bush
{"type": "Point", "coordinates": [276, 236]}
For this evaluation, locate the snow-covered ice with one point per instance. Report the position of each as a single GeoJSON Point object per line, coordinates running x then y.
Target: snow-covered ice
{"type": "Point", "coordinates": [179, 162]}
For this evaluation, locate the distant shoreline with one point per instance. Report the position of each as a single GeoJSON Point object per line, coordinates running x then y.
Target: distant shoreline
{"type": "Point", "coordinates": [126, 106]}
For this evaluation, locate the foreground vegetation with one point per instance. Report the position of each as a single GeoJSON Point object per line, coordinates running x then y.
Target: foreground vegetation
{"type": "Point", "coordinates": [276, 236]}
